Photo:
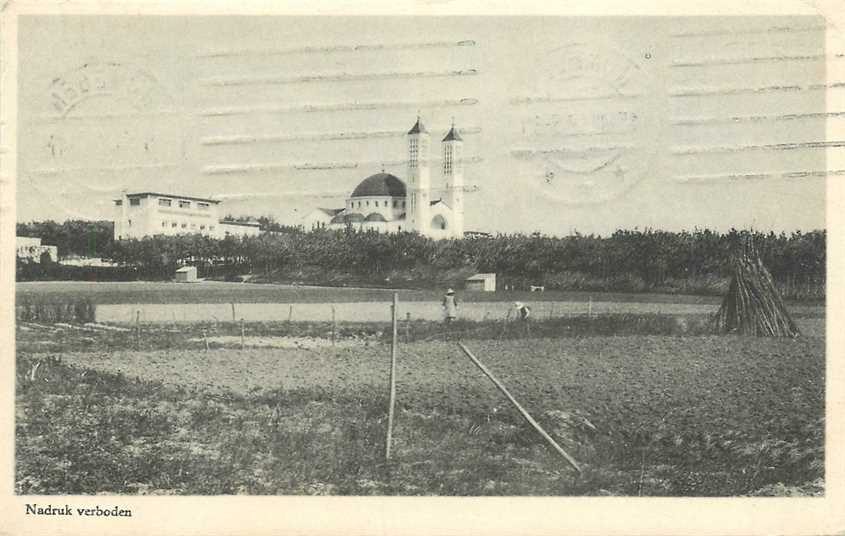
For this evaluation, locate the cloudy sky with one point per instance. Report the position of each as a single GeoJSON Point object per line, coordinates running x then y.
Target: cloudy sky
{"type": "Point", "coordinates": [587, 124]}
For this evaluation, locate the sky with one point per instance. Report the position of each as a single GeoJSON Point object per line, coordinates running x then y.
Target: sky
{"type": "Point", "coordinates": [570, 124]}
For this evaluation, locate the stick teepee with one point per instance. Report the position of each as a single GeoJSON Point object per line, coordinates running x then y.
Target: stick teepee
{"type": "Point", "coordinates": [753, 305]}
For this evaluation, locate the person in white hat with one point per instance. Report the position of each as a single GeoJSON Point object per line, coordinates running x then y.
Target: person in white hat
{"type": "Point", "coordinates": [522, 310]}
{"type": "Point", "coordinates": [450, 306]}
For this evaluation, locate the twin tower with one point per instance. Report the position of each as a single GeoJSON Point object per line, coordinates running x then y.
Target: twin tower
{"type": "Point", "coordinates": [438, 213]}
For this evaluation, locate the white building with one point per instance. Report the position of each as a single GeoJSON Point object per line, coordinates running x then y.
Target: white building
{"type": "Point", "coordinates": [481, 282]}
{"type": "Point", "coordinates": [384, 203]}
{"type": "Point", "coordinates": [30, 249]}
{"type": "Point", "coordinates": [145, 214]}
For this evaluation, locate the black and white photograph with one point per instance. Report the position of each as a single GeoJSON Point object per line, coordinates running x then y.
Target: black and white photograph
{"type": "Point", "coordinates": [419, 255]}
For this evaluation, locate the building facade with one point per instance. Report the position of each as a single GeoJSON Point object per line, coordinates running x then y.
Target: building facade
{"type": "Point", "coordinates": [384, 203]}
{"type": "Point", "coordinates": [31, 250]}
{"type": "Point", "coordinates": [139, 215]}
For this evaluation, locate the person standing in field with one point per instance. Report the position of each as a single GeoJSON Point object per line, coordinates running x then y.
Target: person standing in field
{"type": "Point", "coordinates": [522, 314]}
{"type": "Point", "coordinates": [450, 306]}
{"type": "Point", "coordinates": [522, 311]}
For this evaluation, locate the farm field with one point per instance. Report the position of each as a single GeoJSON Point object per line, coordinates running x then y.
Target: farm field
{"type": "Point", "coordinates": [644, 415]}
{"type": "Point", "coordinates": [213, 302]}
{"type": "Point", "coordinates": [225, 293]}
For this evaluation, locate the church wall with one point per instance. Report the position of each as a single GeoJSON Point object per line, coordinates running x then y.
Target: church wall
{"type": "Point", "coordinates": [381, 205]}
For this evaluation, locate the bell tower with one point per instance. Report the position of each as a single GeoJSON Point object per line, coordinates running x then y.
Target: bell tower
{"type": "Point", "coordinates": [418, 194]}
{"type": "Point", "coordinates": [453, 178]}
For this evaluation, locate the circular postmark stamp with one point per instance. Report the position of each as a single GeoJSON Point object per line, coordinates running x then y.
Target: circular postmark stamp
{"type": "Point", "coordinates": [107, 116]}
{"type": "Point", "coordinates": [588, 124]}
{"type": "Point", "coordinates": [130, 85]}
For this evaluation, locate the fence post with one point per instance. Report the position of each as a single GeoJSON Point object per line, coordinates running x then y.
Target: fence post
{"type": "Point", "coordinates": [407, 327]}
{"type": "Point", "coordinates": [393, 315]}
{"type": "Point", "coordinates": [233, 312]}
{"type": "Point", "coordinates": [334, 325]}
{"type": "Point", "coordinates": [590, 308]}
{"type": "Point", "coordinates": [242, 333]}
{"type": "Point", "coordinates": [290, 313]}
{"type": "Point", "coordinates": [205, 338]}
{"type": "Point", "coordinates": [138, 329]}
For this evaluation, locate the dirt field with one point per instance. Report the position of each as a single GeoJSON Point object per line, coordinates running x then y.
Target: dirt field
{"type": "Point", "coordinates": [644, 414]}
{"type": "Point", "coordinates": [666, 416]}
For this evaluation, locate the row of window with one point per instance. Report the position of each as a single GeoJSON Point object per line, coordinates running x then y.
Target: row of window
{"type": "Point", "coordinates": [136, 201]}
{"type": "Point", "coordinates": [176, 225]}
{"type": "Point", "coordinates": [386, 204]}
{"type": "Point", "coordinates": [182, 204]}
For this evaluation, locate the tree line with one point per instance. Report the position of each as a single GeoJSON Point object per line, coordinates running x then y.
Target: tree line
{"type": "Point", "coordinates": [697, 261]}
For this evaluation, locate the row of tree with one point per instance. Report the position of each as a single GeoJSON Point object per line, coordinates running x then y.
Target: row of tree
{"type": "Point", "coordinates": [626, 260]}
{"type": "Point", "coordinates": [652, 259]}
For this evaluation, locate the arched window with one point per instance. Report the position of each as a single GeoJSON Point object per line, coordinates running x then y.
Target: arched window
{"type": "Point", "coordinates": [439, 222]}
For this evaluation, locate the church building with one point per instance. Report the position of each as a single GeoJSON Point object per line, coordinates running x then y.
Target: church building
{"type": "Point", "coordinates": [384, 203]}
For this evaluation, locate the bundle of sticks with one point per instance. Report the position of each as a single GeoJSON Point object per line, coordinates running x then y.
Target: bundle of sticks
{"type": "Point", "coordinates": [753, 305]}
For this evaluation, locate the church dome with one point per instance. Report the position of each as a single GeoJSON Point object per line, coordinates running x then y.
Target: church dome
{"type": "Point", "coordinates": [380, 184]}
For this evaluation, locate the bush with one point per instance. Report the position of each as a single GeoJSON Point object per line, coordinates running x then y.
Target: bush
{"type": "Point", "coordinates": [77, 311]}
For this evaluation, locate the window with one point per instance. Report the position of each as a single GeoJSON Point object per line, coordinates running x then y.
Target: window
{"type": "Point", "coordinates": [395, 203]}
{"type": "Point", "coordinates": [165, 202]}
{"type": "Point", "coordinates": [134, 202]}
{"type": "Point", "coordinates": [118, 203]}
{"type": "Point", "coordinates": [130, 223]}
{"type": "Point", "coordinates": [184, 204]}
{"type": "Point", "coordinates": [164, 224]}
{"type": "Point", "coordinates": [174, 225]}
{"type": "Point", "coordinates": [368, 203]}
{"type": "Point", "coordinates": [184, 226]}
{"type": "Point", "coordinates": [403, 204]}
{"type": "Point", "coordinates": [447, 160]}
{"type": "Point", "coordinates": [413, 153]}
{"type": "Point", "coordinates": [202, 206]}
{"type": "Point", "coordinates": [210, 227]}
{"type": "Point", "coordinates": [202, 227]}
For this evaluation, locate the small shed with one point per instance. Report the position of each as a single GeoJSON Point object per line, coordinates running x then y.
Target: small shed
{"type": "Point", "coordinates": [481, 282]}
{"type": "Point", "coordinates": [186, 274]}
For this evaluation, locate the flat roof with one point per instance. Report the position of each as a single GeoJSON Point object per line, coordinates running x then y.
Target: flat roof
{"type": "Point", "coordinates": [244, 223]}
{"type": "Point", "coordinates": [481, 276]}
{"type": "Point", "coordinates": [172, 196]}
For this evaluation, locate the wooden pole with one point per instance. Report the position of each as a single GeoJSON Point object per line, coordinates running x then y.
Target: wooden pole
{"type": "Point", "coordinates": [290, 313]}
{"type": "Point", "coordinates": [233, 312]}
{"type": "Point", "coordinates": [334, 325]}
{"type": "Point", "coordinates": [138, 329]}
{"type": "Point", "coordinates": [243, 332]}
{"type": "Point", "coordinates": [522, 411]}
{"type": "Point", "coordinates": [407, 327]}
{"type": "Point", "coordinates": [392, 376]}
{"type": "Point", "coordinates": [590, 308]}
{"type": "Point", "coordinates": [205, 339]}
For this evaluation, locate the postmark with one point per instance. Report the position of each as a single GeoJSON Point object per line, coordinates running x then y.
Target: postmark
{"type": "Point", "coordinates": [103, 116]}
{"type": "Point", "coordinates": [587, 125]}
{"type": "Point", "coordinates": [130, 84]}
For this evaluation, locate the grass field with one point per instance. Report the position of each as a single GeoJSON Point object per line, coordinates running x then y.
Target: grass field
{"type": "Point", "coordinates": [217, 292]}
